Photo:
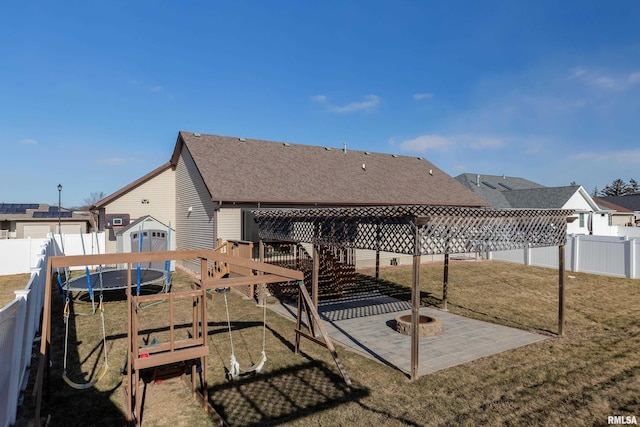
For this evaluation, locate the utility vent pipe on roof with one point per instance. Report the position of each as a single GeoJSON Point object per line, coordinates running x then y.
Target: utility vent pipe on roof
{"type": "Point", "coordinates": [344, 147]}
{"type": "Point", "coordinates": [478, 180]}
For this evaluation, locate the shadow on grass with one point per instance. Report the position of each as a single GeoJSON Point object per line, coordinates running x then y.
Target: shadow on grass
{"type": "Point", "coordinates": [283, 395]}
{"type": "Point", "coordinates": [67, 406]}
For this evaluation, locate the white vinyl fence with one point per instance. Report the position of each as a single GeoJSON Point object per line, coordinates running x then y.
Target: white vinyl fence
{"type": "Point", "coordinates": [605, 255]}
{"type": "Point", "coordinates": [19, 322]}
{"type": "Point", "coordinates": [19, 256]}
{"type": "Point", "coordinates": [20, 319]}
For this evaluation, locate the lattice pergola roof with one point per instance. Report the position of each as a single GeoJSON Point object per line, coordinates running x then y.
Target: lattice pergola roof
{"type": "Point", "coordinates": [440, 229]}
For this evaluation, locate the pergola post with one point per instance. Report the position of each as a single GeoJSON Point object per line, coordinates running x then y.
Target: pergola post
{"type": "Point", "coordinates": [561, 275]}
{"type": "Point", "coordinates": [378, 252]}
{"type": "Point", "coordinates": [316, 273]}
{"type": "Point", "coordinates": [262, 297]}
{"type": "Point", "coordinates": [415, 305]}
{"type": "Point", "coordinates": [445, 282]}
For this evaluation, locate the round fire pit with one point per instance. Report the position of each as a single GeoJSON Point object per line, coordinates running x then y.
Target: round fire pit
{"type": "Point", "coordinates": [427, 326]}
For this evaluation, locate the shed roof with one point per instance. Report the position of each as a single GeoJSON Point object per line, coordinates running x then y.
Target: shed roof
{"type": "Point", "coordinates": [251, 170]}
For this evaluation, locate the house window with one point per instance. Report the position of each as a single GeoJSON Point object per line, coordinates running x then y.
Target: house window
{"type": "Point", "coordinates": [581, 220]}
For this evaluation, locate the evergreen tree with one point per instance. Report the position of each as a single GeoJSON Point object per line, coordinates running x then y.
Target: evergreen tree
{"type": "Point", "coordinates": [596, 192]}
{"type": "Point", "coordinates": [634, 187]}
{"type": "Point", "coordinates": [617, 188]}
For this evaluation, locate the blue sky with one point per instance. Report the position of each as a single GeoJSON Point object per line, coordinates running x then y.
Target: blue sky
{"type": "Point", "coordinates": [93, 93]}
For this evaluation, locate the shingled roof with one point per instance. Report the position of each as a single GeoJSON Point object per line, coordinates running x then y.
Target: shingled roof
{"type": "Point", "coordinates": [504, 192]}
{"type": "Point", "coordinates": [251, 170]}
{"type": "Point", "coordinates": [629, 201]}
{"type": "Point", "coordinates": [492, 188]}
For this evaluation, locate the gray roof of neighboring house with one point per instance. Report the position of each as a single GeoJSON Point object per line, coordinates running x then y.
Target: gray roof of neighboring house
{"type": "Point", "coordinates": [493, 188]}
{"type": "Point", "coordinates": [629, 201]}
{"type": "Point", "coordinates": [517, 193]}
{"type": "Point", "coordinates": [250, 170]}
{"type": "Point", "coordinates": [541, 198]}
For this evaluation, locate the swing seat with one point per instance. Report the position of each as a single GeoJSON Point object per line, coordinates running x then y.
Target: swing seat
{"type": "Point", "coordinates": [236, 371]}
{"type": "Point", "coordinates": [84, 386]}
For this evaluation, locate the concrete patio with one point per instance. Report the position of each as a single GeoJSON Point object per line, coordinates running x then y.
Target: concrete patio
{"type": "Point", "coordinates": [365, 323]}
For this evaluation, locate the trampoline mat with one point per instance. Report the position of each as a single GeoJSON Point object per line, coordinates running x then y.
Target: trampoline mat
{"type": "Point", "coordinates": [115, 279]}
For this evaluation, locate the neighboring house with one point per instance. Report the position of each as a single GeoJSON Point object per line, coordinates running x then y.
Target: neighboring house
{"type": "Point", "coordinates": [501, 191]}
{"type": "Point", "coordinates": [212, 183]}
{"type": "Point", "coordinates": [628, 201]}
{"type": "Point", "coordinates": [36, 220]}
{"type": "Point", "coordinates": [152, 195]}
{"type": "Point", "coordinates": [620, 216]}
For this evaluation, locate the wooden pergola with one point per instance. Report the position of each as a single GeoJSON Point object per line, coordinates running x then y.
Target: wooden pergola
{"type": "Point", "coordinates": [420, 230]}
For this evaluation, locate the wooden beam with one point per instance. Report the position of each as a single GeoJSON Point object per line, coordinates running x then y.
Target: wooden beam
{"type": "Point", "coordinates": [314, 277]}
{"type": "Point", "coordinates": [415, 317]}
{"type": "Point", "coordinates": [415, 307]}
{"type": "Point", "coordinates": [323, 332]}
{"type": "Point", "coordinates": [243, 281]}
{"type": "Point", "coordinates": [45, 341]}
{"type": "Point", "coordinates": [122, 258]}
{"type": "Point", "coordinates": [561, 299]}
{"type": "Point", "coordinates": [445, 282]}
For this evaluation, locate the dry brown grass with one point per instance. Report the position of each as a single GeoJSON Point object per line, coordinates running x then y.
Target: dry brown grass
{"type": "Point", "coordinates": [11, 283]}
{"type": "Point", "coordinates": [592, 372]}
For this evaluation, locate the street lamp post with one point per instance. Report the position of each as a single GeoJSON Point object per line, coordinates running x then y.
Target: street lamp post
{"type": "Point", "coordinates": [59, 198]}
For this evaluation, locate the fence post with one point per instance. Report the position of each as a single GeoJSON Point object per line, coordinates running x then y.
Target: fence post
{"type": "Point", "coordinates": [527, 255]}
{"type": "Point", "coordinates": [632, 257]}
{"type": "Point", "coordinates": [575, 267]}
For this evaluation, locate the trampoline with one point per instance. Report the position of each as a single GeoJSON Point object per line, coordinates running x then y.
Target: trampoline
{"type": "Point", "coordinates": [115, 279]}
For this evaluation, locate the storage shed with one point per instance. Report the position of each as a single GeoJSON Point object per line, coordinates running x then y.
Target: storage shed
{"type": "Point", "coordinates": [145, 234]}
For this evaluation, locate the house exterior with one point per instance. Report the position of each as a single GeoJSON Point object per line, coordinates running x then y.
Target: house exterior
{"type": "Point", "coordinates": [36, 220]}
{"type": "Point", "coordinates": [630, 202]}
{"type": "Point", "coordinates": [154, 195]}
{"type": "Point", "coordinates": [501, 191]}
{"type": "Point", "coordinates": [212, 183]}
{"type": "Point", "coordinates": [620, 216]}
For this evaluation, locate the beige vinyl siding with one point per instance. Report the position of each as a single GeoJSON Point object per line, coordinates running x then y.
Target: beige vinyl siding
{"type": "Point", "coordinates": [36, 231]}
{"type": "Point", "coordinates": [194, 207]}
{"type": "Point", "coordinates": [230, 223]}
{"type": "Point", "coordinates": [27, 229]}
{"type": "Point", "coordinates": [155, 197]}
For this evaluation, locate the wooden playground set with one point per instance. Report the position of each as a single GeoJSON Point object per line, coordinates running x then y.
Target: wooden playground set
{"type": "Point", "coordinates": [176, 355]}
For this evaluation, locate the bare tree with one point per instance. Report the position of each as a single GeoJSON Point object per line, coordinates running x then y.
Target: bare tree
{"type": "Point", "coordinates": [93, 199]}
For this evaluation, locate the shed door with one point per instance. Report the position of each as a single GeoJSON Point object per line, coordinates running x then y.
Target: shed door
{"type": "Point", "coordinates": [152, 241]}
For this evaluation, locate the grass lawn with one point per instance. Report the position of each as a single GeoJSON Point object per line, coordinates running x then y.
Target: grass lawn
{"type": "Point", "coordinates": [580, 379]}
{"type": "Point", "coordinates": [11, 283]}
